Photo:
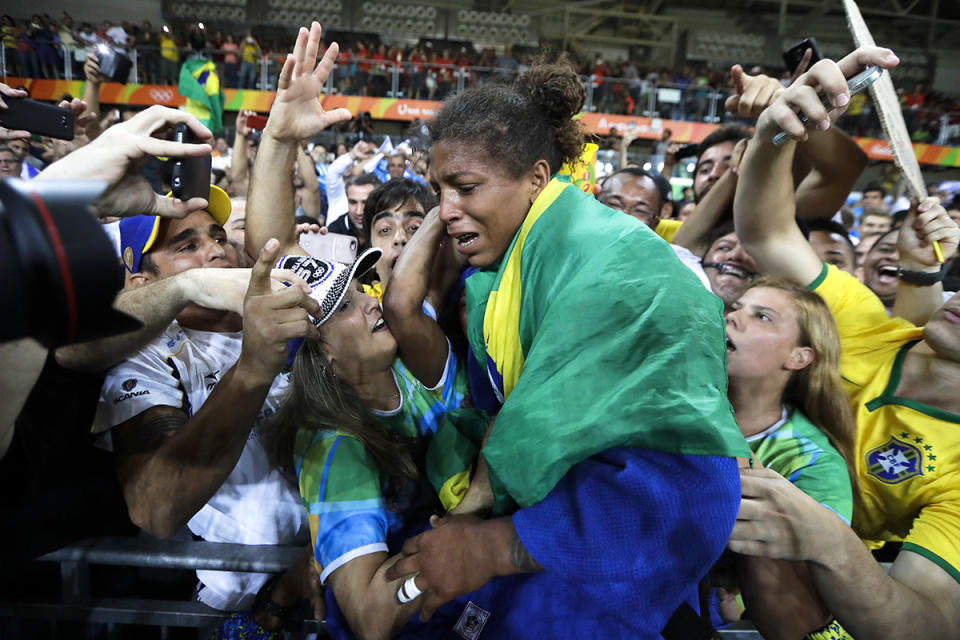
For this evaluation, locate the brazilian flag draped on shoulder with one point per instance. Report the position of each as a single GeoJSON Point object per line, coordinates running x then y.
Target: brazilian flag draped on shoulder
{"type": "Point", "coordinates": [200, 85]}
{"type": "Point", "coordinates": [596, 337]}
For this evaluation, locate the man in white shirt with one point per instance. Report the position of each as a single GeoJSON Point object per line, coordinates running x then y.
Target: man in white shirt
{"type": "Point", "coordinates": [183, 413]}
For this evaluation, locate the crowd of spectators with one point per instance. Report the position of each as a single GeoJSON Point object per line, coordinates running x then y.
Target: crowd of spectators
{"type": "Point", "coordinates": [430, 70]}
{"type": "Point", "coordinates": [483, 410]}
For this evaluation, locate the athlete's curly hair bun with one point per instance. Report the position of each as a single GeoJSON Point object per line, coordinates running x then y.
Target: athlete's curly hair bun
{"type": "Point", "coordinates": [555, 89]}
{"type": "Point", "coordinates": [520, 123]}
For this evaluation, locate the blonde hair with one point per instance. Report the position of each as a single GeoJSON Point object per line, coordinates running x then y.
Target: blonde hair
{"type": "Point", "coordinates": [817, 389]}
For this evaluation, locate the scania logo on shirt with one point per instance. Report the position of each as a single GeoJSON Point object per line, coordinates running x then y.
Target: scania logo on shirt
{"type": "Point", "coordinates": [127, 396]}
{"type": "Point", "coordinates": [128, 385]}
{"type": "Point", "coordinates": [894, 461]}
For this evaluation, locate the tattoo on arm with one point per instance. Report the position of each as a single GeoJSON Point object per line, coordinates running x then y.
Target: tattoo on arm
{"type": "Point", "coordinates": [145, 435]}
{"type": "Point", "coordinates": [520, 558]}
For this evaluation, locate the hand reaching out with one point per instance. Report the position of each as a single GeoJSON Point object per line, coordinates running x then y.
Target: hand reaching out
{"type": "Point", "coordinates": [828, 78]}
{"type": "Point", "coordinates": [115, 158]}
{"type": "Point", "coordinates": [778, 520]}
{"type": "Point", "coordinates": [272, 318]}
{"type": "Point", "coordinates": [8, 134]}
{"type": "Point", "coordinates": [362, 150]}
{"type": "Point", "coordinates": [80, 120]}
{"type": "Point", "coordinates": [91, 69]}
{"type": "Point", "coordinates": [243, 129]}
{"type": "Point", "coordinates": [225, 289]}
{"type": "Point", "coordinates": [752, 94]}
{"type": "Point", "coordinates": [297, 113]}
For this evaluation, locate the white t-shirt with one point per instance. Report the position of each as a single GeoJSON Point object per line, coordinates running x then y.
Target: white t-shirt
{"type": "Point", "coordinates": [256, 504]}
{"type": "Point", "coordinates": [118, 35]}
{"type": "Point", "coordinates": [693, 262]}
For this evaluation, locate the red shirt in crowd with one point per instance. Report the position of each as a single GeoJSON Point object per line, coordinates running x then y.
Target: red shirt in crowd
{"type": "Point", "coordinates": [363, 54]}
{"type": "Point", "coordinates": [915, 100]}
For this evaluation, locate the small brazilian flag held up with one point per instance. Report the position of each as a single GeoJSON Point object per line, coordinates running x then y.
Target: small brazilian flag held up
{"type": "Point", "coordinates": [200, 85]}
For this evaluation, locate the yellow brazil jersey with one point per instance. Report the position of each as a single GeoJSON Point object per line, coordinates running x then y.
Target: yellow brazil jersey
{"type": "Point", "coordinates": [908, 453]}
{"type": "Point", "coordinates": [249, 52]}
{"type": "Point", "coordinates": [168, 47]}
{"type": "Point", "coordinates": [666, 229]}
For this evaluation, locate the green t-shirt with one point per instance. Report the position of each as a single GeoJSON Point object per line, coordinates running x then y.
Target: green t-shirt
{"type": "Point", "coordinates": [341, 486]}
{"type": "Point", "coordinates": [801, 453]}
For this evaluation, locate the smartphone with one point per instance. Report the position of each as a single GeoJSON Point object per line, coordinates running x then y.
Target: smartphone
{"type": "Point", "coordinates": [793, 55]}
{"type": "Point", "coordinates": [191, 176]}
{"type": "Point", "coordinates": [687, 151]}
{"type": "Point", "coordinates": [37, 117]}
{"type": "Point", "coordinates": [864, 79]}
{"type": "Point", "coordinates": [855, 85]}
{"type": "Point", "coordinates": [330, 246]}
{"type": "Point", "coordinates": [257, 122]}
{"type": "Point", "coordinates": [114, 64]}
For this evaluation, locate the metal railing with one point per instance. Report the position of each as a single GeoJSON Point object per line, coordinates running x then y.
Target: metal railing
{"type": "Point", "coordinates": [430, 80]}
{"type": "Point", "coordinates": [79, 603]}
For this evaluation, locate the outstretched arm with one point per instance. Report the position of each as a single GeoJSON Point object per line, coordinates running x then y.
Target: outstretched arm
{"type": "Point", "coordinates": [765, 204]}
{"type": "Point", "coordinates": [91, 93]}
{"type": "Point", "coordinates": [157, 303]}
{"type": "Point", "coordinates": [916, 600]}
{"type": "Point", "coordinates": [239, 165]}
{"type": "Point", "coordinates": [296, 115]}
{"type": "Point", "coordinates": [311, 188]}
{"type": "Point", "coordinates": [835, 163]}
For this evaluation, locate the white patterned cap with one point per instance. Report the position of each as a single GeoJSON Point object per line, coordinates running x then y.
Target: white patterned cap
{"type": "Point", "coordinates": [329, 280]}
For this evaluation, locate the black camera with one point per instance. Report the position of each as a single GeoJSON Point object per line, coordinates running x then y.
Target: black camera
{"type": "Point", "coordinates": [59, 273]}
{"type": "Point", "coordinates": [114, 64]}
{"type": "Point", "coordinates": [687, 151]}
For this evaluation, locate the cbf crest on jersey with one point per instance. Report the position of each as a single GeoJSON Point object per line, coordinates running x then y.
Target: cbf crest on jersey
{"type": "Point", "coordinates": [895, 461]}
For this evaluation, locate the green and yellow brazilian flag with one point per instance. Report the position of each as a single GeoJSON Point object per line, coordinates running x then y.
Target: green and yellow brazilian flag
{"type": "Point", "coordinates": [200, 85]}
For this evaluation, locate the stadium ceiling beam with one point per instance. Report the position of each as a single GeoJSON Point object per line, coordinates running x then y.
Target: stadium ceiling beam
{"type": "Point", "coordinates": [620, 13]}
{"type": "Point", "coordinates": [643, 42]}
{"type": "Point", "coordinates": [589, 7]}
{"type": "Point", "coordinates": [868, 10]}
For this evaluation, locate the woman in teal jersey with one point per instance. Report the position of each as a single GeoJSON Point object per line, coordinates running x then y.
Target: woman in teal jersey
{"type": "Point", "coordinates": [783, 363]}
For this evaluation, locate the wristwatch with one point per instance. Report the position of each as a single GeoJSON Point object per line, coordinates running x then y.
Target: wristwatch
{"type": "Point", "coordinates": [922, 278]}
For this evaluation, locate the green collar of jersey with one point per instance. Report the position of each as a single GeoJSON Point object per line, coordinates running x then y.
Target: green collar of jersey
{"type": "Point", "coordinates": [889, 397]}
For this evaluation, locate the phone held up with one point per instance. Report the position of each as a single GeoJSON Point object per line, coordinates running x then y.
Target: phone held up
{"type": "Point", "coordinates": [37, 117]}
{"type": "Point", "coordinates": [793, 55]}
{"type": "Point", "coordinates": [855, 85]}
{"type": "Point", "coordinates": [191, 176]}
{"type": "Point", "coordinates": [330, 246]}
{"type": "Point", "coordinates": [687, 151]}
